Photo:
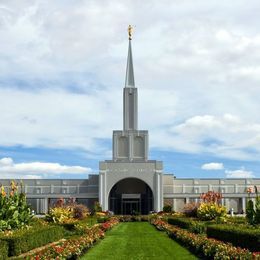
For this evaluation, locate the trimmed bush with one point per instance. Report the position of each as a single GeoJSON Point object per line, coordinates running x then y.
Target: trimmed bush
{"type": "Point", "coordinates": [132, 218]}
{"type": "Point", "coordinates": [237, 235]}
{"type": "Point", "coordinates": [25, 240]}
{"type": "Point", "coordinates": [237, 220]}
{"type": "Point", "coordinates": [187, 223]}
{"type": "Point", "coordinates": [3, 250]}
{"type": "Point", "coordinates": [250, 212]}
{"type": "Point", "coordinates": [167, 208]}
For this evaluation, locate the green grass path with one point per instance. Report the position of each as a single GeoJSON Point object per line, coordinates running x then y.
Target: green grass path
{"type": "Point", "coordinates": [136, 241]}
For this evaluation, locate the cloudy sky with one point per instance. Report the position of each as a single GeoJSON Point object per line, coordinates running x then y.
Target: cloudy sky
{"type": "Point", "coordinates": [62, 70]}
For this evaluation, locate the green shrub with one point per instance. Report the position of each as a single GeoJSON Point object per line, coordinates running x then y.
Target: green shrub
{"type": "Point", "coordinates": [132, 218]}
{"type": "Point", "coordinates": [250, 212]}
{"type": "Point", "coordinates": [167, 208]}
{"type": "Point", "coordinates": [3, 250]}
{"type": "Point", "coordinates": [97, 207]}
{"type": "Point", "coordinates": [194, 226]}
{"type": "Point", "coordinates": [257, 210]}
{"type": "Point", "coordinates": [102, 219]}
{"type": "Point", "coordinates": [25, 240]}
{"type": "Point", "coordinates": [237, 235]}
{"type": "Point", "coordinates": [236, 220]}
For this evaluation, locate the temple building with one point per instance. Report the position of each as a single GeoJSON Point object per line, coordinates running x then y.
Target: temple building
{"type": "Point", "coordinates": [130, 182]}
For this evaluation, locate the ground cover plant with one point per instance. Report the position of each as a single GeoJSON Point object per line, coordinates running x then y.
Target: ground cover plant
{"type": "Point", "coordinates": [137, 240]}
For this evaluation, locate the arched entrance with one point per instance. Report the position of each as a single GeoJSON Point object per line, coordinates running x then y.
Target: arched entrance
{"type": "Point", "coordinates": [131, 196]}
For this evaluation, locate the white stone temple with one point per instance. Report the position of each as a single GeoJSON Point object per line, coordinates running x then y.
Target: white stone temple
{"type": "Point", "coordinates": [130, 182]}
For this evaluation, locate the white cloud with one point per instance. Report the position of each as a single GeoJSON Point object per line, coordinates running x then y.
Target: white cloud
{"type": "Point", "coordinates": [197, 70]}
{"type": "Point", "coordinates": [36, 170]}
{"type": "Point", "coordinates": [212, 166]}
{"type": "Point", "coordinates": [6, 162]}
{"type": "Point", "coordinates": [241, 173]}
{"type": "Point", "coordinates": [225, 136]}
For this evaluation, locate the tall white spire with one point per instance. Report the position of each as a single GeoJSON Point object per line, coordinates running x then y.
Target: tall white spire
{"type": "Point", "coordinates": [129, 79]}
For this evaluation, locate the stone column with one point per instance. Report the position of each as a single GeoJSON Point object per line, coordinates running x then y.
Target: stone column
{"type": "Point", "coordinates": [105, 195]}
{"type": "Point", "coordinates": [146, 148]}
{"type": "Point", "coordinates": [46, 205]}
{"type": "Point", "coordinates": [130, 146]}
{"type": "Point", "coordinates": [227, 203]}
{"type": "Point", "coordinates": [244, 204]}
{"type": "Point", "coordinates": [159, 191]}
{"type": "Point", "coordinates": [101, 189]}
{"type": "Point", "coordinates": [174, 205]}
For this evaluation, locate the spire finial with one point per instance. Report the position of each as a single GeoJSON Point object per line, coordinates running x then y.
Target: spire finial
{"type": "Point", "coordinates": [129, 80]}
{"type": "Point", "coordinates": [130, 31]}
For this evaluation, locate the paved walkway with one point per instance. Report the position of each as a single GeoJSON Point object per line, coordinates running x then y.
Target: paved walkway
{"type": "Point", "coordinates": [136, 241]}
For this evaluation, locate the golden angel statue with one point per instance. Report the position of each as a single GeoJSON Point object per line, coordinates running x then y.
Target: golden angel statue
{"type": "Point", "coordinates": [130, 31]}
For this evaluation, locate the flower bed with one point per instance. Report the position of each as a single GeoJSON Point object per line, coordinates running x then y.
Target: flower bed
{"type": "Point", "coordinates": [21, 241]}
{"type": "Point", "coordinates": [237, 235]}
{"type": "Point", "coordinates": [74, 247]}
{"type": "Point", "coordinates": [202, 246]}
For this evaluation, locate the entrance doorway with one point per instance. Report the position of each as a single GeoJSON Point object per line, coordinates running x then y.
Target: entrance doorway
{"type": "Point", "coordinates": [131, 196]}
{"type": "Point", "coordinates": [131, 204]}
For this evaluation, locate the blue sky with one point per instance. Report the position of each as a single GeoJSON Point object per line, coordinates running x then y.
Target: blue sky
{"type": "Point", "coordinates": [62, 77]}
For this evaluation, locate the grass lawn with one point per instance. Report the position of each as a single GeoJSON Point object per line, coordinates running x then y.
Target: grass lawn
{"type": "Point", "coordinates": [137, 240]}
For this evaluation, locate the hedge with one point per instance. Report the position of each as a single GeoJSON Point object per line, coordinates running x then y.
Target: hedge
{"type": "Point", "coordinates": [194, 226]}
{"type": "Point", "coordinates": [3, 250]}
{"type": "Point", "coordinates": [237, 235]}
{"type": "Point", "coordinates": [72, 248]}
{"type": "Point", "coordinates": [26, 240]}
{"type": "Point", "coordinates": [205, 248]}
{"type": "Point", "coordinates": [132, 218]}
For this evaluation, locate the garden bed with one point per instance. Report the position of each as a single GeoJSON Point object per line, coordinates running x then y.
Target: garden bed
{"type": "Point", "coordinates": [21, 241]}
{"type": "Point", "coordinates": [241, 236]}
{"type": "Point", "coordinates": [202, 246]}
{"type": "Point", "coordinates": [74, 246]}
